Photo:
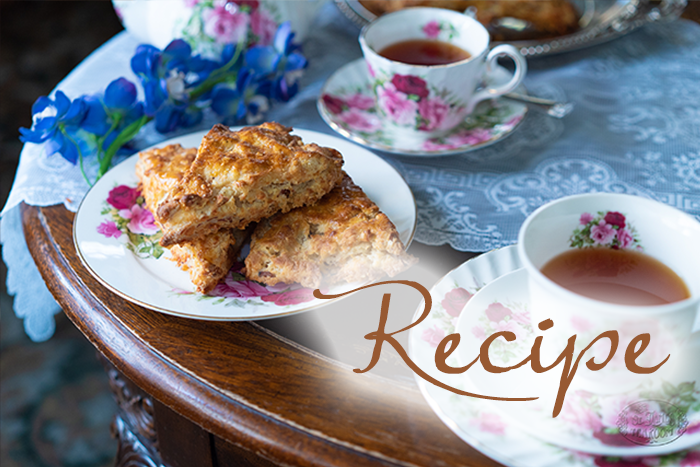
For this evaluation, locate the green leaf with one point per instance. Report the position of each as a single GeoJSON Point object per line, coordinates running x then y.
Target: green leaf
{"type": "Point", "coordinates": [686, 387]}
{"type": "Point", "coordinates": [157, 251]}
{"type": "Point", "coordinates": [669, 389]}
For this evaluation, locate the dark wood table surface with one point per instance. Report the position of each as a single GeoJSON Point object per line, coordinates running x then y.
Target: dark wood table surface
{"type": "Point", "coordinates": [201, 393]}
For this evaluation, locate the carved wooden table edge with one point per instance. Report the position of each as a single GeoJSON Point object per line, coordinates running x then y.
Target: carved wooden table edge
{"type": "Point", "coordinates": [251, 431]}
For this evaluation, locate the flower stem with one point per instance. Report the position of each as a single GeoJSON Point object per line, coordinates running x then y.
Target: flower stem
{"type": "Point", "coordinates": [218, 75]}
{"type": "Point", "coordinates": [80, 154]}
{"type": "Point", "coordinates": [122, 138]}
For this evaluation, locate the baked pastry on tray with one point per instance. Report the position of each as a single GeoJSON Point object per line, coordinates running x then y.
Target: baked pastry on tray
{"type": "Point", "coordinates": [546, 18]}
{"type": "Point", "coordinates": [239, 177]}
{"type": "Point", "coordinates": [342, 238]}
{"type": "Point", "coordinates": [207, 258]}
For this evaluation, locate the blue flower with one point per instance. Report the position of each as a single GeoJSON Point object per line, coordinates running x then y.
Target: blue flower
{"type": "Point", "coordinates": [230, 102]}
{"type": "Point", "coordinates": [121, 108]}
{"type": "Point", "coordinates": [168, 78]}
{"type": "Point", "coordinates": [277, 67]}
{"type": "Point", "coordinates": [52, 120]}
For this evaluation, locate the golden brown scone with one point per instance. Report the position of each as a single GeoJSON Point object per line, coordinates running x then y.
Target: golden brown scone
{"type": "Point", "coordinates": [548, 17]}
{"type": "Point", "coordinates": [239, 177]}
{"type": "Point", "coordinates": [342, 238]}
{"type": "Point", "coordinates": [208, 259]}
{"type": "Point", "coordinates": [160, 170]}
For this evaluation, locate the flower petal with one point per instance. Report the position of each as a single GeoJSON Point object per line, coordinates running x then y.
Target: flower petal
{"type": "Point", "coordinates": [62, 103]}
{"type": "Point", "coordinates": [190, 117]}
{"type": "Point", "coordinates": [120, 94]}
{"type": "Point", "coordinates": [178, 48]}
{"type": "Point", "coordinates": [134, 113]}
{"type": "Point", "coordinates": [224, 101]}
{"type": "Point", "coordinates": [75, 112]}
{"type": "Point", "coordinates": [29, 136]}
{"type": "Point", "coordinates": [167, 117]}
{"type": "Point", "coordinates": [283, 37]}
{"type": "Point", "coordinates": [145, 60]}
{"type": "Point", "coordinates": [262, 60]}
{"type": "Point", "coordinates": [95, 120]}
{"type": "Point", "coordinates": [41, 104]}
{"type": "Point", "coordinates": [295, 62]}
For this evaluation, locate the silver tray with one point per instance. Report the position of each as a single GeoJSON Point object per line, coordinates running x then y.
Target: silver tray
{"type": "Point", "coordinates": [600, 21]}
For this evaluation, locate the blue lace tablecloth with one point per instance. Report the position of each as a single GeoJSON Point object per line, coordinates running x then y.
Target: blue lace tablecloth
{"type": "Point", "coordinates": [635, 129]}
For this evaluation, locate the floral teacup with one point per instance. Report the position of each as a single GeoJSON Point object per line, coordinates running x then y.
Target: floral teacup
{"type": "Point", "coordinates": [618, 222]}
{"type": "Point", "coordinates": [425, 101]}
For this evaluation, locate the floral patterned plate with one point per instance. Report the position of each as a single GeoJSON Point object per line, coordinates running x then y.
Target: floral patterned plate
{"type": "Point", "coordinates": [347, 104]}
{"type": "Point", "coordinates": [481, 423]}
{"type": "Point", "coordinates": [588, 422]}
{"type": "Point", "coordinates": [117, 241]}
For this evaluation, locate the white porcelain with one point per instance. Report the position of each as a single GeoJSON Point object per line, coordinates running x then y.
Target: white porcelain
{"type": "Point", "coordinates": [139, 270]}
{"type": "Point", "coordinates": [421, 102]}
{"type": "Point", "coordinates": [588, 421]}
{"type": "Point", "coordinates": [657, 229]}
{"type": "Point", "coordinates": [478, 422]}
{"type": "Point", "coordinates": [157, 22]}
{"type": "Point", "coordinates": [347, 104]}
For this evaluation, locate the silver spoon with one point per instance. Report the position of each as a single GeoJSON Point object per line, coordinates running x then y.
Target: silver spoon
{"type": "Point", "coordinates": [553, 108]}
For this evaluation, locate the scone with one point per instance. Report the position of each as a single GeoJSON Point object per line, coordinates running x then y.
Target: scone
{"type": "Point", "coordinates": [239, 177]}
{"type": "Point", "coordinates": [342, 238]}
{"type": "Point", "coordinates": [547, 18]}
{"type": "Point", "coordinates": [208, 258]}
{"type": "Point", "coordinates": [160, 170]}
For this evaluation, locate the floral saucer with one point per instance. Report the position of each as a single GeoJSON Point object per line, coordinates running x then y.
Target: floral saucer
{"type": "Point", "coordinates": [485, 425]}
{"type": "Point", "coordinates": [588, 422]}
{"type": "Point", "coordinates": [346, 103]}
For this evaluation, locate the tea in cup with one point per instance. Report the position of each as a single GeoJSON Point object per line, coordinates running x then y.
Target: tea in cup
{"type": "Point", "coordinates": [427, 68]}
{"type": "Point", "coordinates": [611, 262]}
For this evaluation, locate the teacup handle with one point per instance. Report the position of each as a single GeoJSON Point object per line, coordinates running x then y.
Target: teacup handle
{"type": "Point", "coordinates": [518, 75]}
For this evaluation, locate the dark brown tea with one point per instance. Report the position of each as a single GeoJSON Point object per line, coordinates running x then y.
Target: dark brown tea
{"type": "Point", "coordinates": [624, 277]}
{"type": "Point", "coordinates": [424, 52]}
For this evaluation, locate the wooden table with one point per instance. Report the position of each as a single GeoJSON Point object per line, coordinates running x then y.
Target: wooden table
{"type": "Point", "coordinates": [200, 393]}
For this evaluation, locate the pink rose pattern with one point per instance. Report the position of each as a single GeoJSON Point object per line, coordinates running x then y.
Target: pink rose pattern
{"type": "Point", "coordinates": [225, 24]}
{"type": "Point", "coordinates": [455, 300]}
{"type": "Point", "coordinates": [263, 26]}
{"type": "Point", "coordinates": [605, 229]}
{"type": "Point", "coordinates": [468, 137]}
{"type": "Point", "coordinates": [122, 197]}
{"type": "Point", "coordinates": [452, 305]}
{"type": "Point", "coordinates": [406, 101]}
{"type": "Point", "coordinates": [361, 121]}
{"type": "Point", "coordinates": [140, 220]}
{"type": "Point", "coordinates": [433, 336]}
{"type": "Point", "coordinates": [396, 105]}
{"type": "Point", "coordinates": [401, 98]}
{"type": "Point", "coordinates": [129, 216]}
{"type": "Point", "coordinates": [236, 286]}
{"type": "Point", "coordinates": [213, 23]}
{"type": "Point", "coordinates": [583, 411]}
{"type": "Point", "coordinates": [109, 229]}
{"type": "Point", "coordinates": [354, 111]}
{"type": "Point", "coordinates": [603, 416]}
{"type": "Point", "coordinates": [491, 423]}
{"type": "Point", "coordinates": [431, 29]}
